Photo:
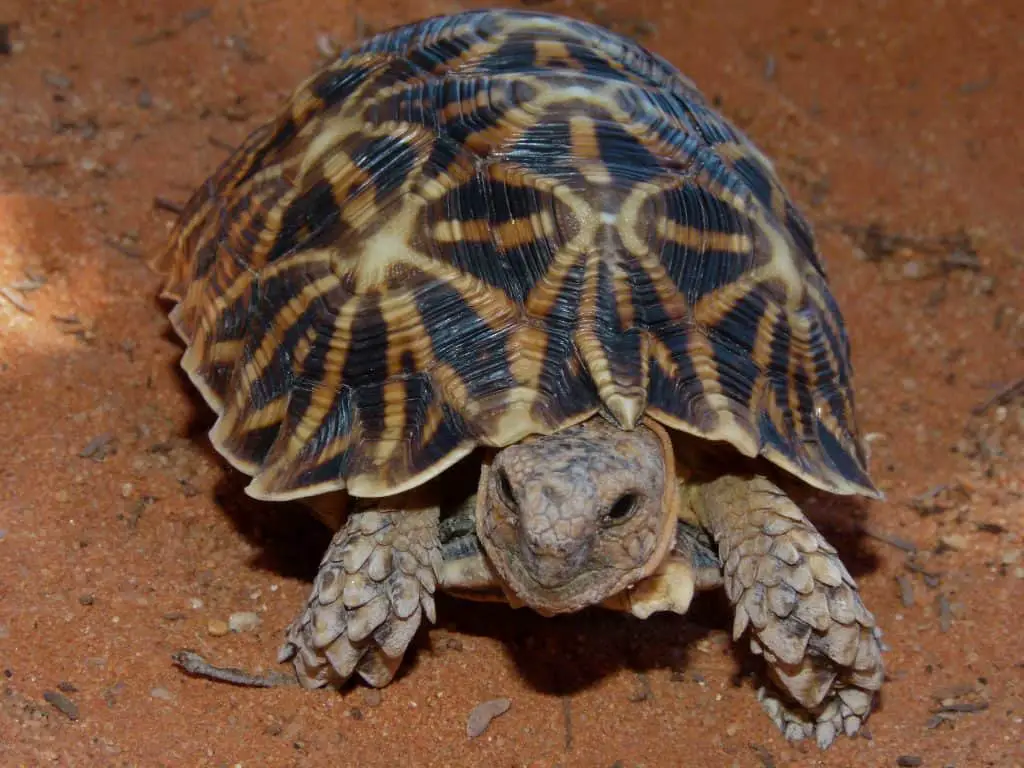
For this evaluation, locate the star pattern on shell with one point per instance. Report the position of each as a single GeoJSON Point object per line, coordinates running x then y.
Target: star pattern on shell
{"type": "Point", "coordinates": [496, 224]}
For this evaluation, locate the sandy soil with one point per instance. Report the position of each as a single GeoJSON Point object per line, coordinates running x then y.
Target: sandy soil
{"type": "Point", "coordinates": [123, 537]}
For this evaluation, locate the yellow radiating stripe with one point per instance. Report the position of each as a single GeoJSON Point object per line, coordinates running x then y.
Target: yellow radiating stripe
{"type": "Point", "coordinates": [553, 51]}
{"type": "Point", "coordinates": [324, 394]}
{"type": "Point", "coordinates": [272, 413]}
{"type": "Point", "coordinates": [700, 239]}
{"type": "Point", "coordinates": [286, 317]}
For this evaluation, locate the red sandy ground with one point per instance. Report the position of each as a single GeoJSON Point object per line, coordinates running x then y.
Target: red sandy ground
{"type": "Point", "coordinates": [123, 536]}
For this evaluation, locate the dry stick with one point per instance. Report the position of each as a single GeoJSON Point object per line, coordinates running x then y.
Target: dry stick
{"type": "Point", "coordinates": [124, 250]}
{"type": "Point", "coordinates": [1004, 395]}
{"type": "Point", "coordinates": [12, 296]}
{"type": "Point", "coordinates": [220, 144]}
{"type": "Point", "coordinates": [163, 204]}
{"type": "Point", "coordinates": [194, 664]}
{"type": "Point", "coordinates": [567, 718]}
{"type": "Point", "coordinates": [888, 538]}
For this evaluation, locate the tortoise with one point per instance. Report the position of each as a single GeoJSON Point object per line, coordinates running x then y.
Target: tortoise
{"type": "Point", "coordinates": [521, 246]}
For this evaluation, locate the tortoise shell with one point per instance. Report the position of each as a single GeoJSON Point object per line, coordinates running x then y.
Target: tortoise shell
{"type": "Point", "coordinates": [495, 224]}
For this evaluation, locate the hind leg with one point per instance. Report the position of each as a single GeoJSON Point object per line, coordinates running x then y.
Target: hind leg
{"type": "Point", "coordinates": [375, 584]}
{"type": "Point", "coordinates": [801, 606]}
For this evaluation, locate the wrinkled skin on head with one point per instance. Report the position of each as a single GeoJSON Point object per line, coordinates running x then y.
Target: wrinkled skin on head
{"type": "Point", "coordinates": [570, 519]}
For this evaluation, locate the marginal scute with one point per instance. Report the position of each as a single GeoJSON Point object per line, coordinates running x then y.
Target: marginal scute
{"type": "Point", "coordinates": [480, 227]}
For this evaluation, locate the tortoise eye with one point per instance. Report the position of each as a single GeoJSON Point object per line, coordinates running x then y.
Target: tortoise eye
{"type": "Point", "coordinates": [623, 509]}
{"type": "Point", "coordinates": [505, 491]}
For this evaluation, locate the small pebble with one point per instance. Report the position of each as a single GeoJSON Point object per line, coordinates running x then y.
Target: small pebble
{"type": "Point", "coordinates": [955, 541]}
{"type": "Point", "coordinates": [195, 603]}
{"type": "Point", "coordinates": [57, 80]}
{"type": "Point", "coordinates": [217, 628]}
{"type": "Point", "coordinates": [913, 269]}
{"type": "Point", "coordinates": [110, 694]}
{"type": "Point", "coordinates": [906, 589]}
{"type": "Point", "coordinates": [243, 621]}
{"type": "Point", "coordinates": [372, 697]}
{"type": "Point", "coordinates": [909, 761]}
{"type": "Point", "coordinates": [1009, 557]}
{"type": "Point", "coordinates": [86, 599]}
{"type": "Point", "coordinates": [99, 446]}
{"type": "Point", "coordinates": [161, 693]}
{"type": "Point", "coordinates": [62, 704]}
{"type": "Point", "coordinates": [482, 715]}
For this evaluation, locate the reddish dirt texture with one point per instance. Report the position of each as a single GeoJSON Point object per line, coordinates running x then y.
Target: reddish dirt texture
{"type": "Point", "coordinates": [123, 536]}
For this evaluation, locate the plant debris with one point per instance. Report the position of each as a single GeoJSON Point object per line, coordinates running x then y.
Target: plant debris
{"type": "Point", "coordinates": [99, 447]}
{"type": "Point", "coordinates": [482, 715]}
{"type": "Point", "coordinates": [643, 690]}
{"type": "Point", "coordinates": [62, 704]}
{"type": "Point", "coordinates": [906, 591]}
{"type": "Point", "coordinates": [956, 701]}
{"type": "Point", "coordinates": [14, 297]}
{"type": "Point", "coordinates": [567, 719]}
{"type": "Point", "coordinates": [194, 664]}
{"type": "Point", "coordinates": [1003, 396]}
{"type": "Point", "coordinates": [945, 613]}
{"type": "Point", "coordinates": [219, 144]}
{"type": "Point", "coordinates": [163, 204]}
{"type": "Point", "coordinates": [766, 758]}
{"type": "Point", "coordinates": [888, 538]}
{"type": "Point", "coordinates": [931, 579]}
{"type": "Point", "coordinates": [957, 250]}
{"type": "Point", "coordinates": [122, 248]}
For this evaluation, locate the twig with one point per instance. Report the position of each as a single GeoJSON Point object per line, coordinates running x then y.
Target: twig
{"type": "Point", "coordinates": [567, 717]}
{"type": "Point", "coordinates": [945, 613]}
{"type": "Point", "coordinates": [164, 33]}
{"type": "Point", "coordinates": [41, 163]}
{"type": "Point", "coordinates": [220, 144]}
{"type": "Point", "coordinates": [194, 664]}
{"type": "Point", "coordinates": [19, 303]}
{"type": "Point", "coordinates": [888, 538]}
{"type": "Point", "coordinates": [930, 579]}
{"type": "Point", "coordinates": [124, 250]}
{"type": "Point", "coordinates": [965, 707]}
{"type": "Point", "coordinates": [1004, 395]}
{"type": "Point", "coordinates": [906, 591]}
{"type": "Point", "coordinates": [163, 204]}
{"type": "Point", "coordinates": [30, 284]}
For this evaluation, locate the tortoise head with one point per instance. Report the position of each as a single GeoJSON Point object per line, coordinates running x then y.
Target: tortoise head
{"type": "Point", "coordinates": [571, 519]}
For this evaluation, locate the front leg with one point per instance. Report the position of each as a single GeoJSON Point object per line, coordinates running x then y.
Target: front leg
{"type": "Point", "coordinates": [790, 589]}
{"type": "Point", "coordinates": [375, 583]}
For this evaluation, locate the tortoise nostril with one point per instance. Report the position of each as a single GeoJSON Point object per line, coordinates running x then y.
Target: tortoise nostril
{"type": "Point", "coordinates": [623, 509]}
{"type": "Point", "coordinates": [505, 490]}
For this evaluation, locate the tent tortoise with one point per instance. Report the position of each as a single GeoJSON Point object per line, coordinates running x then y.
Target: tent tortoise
{"type": "Point", "coordinates": [521, 243]}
